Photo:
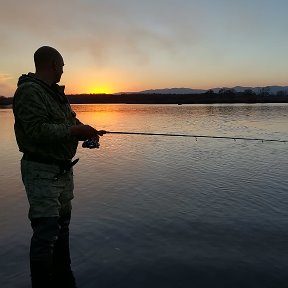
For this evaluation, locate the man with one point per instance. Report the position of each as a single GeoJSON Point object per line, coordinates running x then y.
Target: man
{"type": "Point", "coordinates": [47, 132]}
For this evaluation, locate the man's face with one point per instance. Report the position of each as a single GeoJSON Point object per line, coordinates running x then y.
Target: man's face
{"type": "Point", "coordinates": [58, 69]}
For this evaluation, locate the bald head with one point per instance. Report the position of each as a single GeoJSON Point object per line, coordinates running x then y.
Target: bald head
{"type": "Point", "coordinates": [49, 64]}
{"type": "Point", "coordinates": [45, 56]}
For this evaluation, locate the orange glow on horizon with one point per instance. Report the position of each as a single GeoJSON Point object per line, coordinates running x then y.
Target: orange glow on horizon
{"type": "Point", "coordinates": [90, 83]}
{"type": "Point", "coordinates": [100, 89]}
{"type": "Point", "coordinates": [89, 88]}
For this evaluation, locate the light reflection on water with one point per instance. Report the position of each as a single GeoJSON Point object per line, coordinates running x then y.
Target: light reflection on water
{"type": "Point", "coordinates": [162, 211]}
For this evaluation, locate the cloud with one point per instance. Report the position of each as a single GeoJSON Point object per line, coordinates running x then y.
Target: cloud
{"type": "Point", "coordinates": [105, 29]}
{"type": "Point", "coordinates": [5, 77]}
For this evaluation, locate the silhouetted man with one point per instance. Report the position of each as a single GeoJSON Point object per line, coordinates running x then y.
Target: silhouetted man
{"type": "Point", "coordinates": [47, 132]}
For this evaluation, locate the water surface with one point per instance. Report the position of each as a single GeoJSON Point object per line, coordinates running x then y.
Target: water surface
{"type": "Point", "coordinates": [155, 211]}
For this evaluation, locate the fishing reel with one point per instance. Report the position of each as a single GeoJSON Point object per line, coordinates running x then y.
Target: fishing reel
{"type": "Point", "coordinates": [91, 144]}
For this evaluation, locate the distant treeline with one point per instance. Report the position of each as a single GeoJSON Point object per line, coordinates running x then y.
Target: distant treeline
{"type": "Point", "coordinates": [209, 97]}
{"type": "Point", "coordinates": [5, 100]}
{"type": "Point", "coordinates": [204, 98]}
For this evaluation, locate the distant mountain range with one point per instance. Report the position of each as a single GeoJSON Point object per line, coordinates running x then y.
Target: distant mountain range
{"type": "Point", "coordinates": [269, 89]}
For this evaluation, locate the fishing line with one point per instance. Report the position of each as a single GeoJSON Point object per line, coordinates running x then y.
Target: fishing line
{"type": "Point", "coordinates": [196, 136]}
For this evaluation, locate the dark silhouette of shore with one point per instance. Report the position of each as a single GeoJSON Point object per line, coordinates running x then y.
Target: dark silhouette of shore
{"type": "Point", "coordinates": [208, 97]}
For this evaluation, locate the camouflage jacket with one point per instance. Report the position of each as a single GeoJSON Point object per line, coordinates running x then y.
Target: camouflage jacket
{"type": "Point", "coordinates": [42, 118]}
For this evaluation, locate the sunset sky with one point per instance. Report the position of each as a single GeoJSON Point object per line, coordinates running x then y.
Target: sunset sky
{"type": "Point", "coordinates": [132, 45]}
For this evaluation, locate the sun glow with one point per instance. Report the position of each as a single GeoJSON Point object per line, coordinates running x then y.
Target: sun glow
{"type": "Point", "coordinates": [94, 82]}
{"type": "Point", "coordinates": [100, 89]}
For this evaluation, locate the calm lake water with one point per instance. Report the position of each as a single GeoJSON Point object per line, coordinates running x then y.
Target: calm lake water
{"type": "Point", "coordinates": [165, 212]}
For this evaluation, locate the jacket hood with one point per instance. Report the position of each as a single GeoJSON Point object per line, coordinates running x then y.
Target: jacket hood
{"type": "Point", "coordinates": [30, 78]}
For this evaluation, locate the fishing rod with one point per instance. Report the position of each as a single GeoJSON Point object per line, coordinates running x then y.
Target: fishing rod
{"type": "Point", "coordinates": [197, 136]}
{"type": "Point", "coordinates": [91, 143]}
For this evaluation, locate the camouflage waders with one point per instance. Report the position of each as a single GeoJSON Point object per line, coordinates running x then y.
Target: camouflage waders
{"type": "Point", "coordinates": [50, 191]}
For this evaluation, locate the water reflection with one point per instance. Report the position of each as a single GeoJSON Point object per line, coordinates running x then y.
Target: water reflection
{"type": "Point", "coordinates": [165, 212]}
{"type": "Point", "coordinates": [227, 120]}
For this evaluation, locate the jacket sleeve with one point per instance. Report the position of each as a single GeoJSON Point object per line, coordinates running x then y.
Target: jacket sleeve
{"type": "Point", "coordinates": [77, 121]}
{"type": "Point", "coordinates": [31, 115]}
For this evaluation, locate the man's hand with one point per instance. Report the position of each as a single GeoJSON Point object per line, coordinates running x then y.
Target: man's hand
{"type": "Point", "coordinates": [84, 132]}
{"type": "Point", "coordinates": [101, 132]}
